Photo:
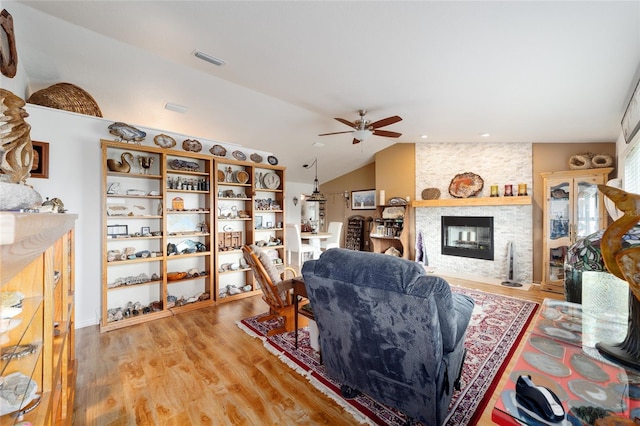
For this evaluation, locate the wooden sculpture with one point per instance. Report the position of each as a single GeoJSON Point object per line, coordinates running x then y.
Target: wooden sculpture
{"type": "Point", "coordinates": [624, 262]}
{"type": "Point", "coordinates": [8, 58]}
{"type": "Point", "coordinates": [16, 150]}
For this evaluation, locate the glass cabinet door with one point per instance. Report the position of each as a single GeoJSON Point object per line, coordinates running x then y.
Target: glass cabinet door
{"type": "Point", "coordinates": [587, 209]}
{"type": "Point", "coordinates": [558, 215]}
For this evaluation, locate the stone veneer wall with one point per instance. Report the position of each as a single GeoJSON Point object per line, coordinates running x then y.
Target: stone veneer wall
{"type": "Point", "coordinates": [496, 163]}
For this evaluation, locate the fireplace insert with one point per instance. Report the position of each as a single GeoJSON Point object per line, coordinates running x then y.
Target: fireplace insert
{"type": "Point", "coordinates": [467, 236]}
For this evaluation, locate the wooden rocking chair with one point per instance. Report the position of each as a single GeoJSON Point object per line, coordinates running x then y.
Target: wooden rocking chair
{"type": "Point", "coordinates": [275, 291]}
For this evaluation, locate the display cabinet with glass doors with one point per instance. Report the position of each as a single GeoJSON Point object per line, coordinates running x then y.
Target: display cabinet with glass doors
{"type": "Point", "coordinates": [573, 208]}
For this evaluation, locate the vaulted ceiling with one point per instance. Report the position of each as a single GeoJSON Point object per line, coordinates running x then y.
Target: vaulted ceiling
{"type": "Point", "coordinates": [538, 71]}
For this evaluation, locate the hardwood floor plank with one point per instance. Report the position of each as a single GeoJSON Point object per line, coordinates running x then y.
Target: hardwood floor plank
{"type": "Point", "coordinates": [199, 368]}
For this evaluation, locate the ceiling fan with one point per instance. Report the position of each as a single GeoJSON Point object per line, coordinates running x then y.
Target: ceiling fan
{"type": "Point", "coordinates": [364, 128]}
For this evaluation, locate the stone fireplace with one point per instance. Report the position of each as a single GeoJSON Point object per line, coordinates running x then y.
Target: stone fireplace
{"type": "Point", "coordinates": [497, 164]}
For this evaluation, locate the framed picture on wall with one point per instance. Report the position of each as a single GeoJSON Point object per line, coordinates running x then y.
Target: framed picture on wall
{"type": "Point", "coordinates": [363, 199]}
{"type": "Point", "coordinates": [40, 168]}
{"type": "Point", "coordinates": [631, 118]}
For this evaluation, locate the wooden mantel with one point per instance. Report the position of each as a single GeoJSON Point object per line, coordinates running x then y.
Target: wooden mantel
{"type": "Point", "coordinates": [473, 201]}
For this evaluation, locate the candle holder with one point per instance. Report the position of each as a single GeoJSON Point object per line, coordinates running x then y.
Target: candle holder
{"type": "Point", "coordinates": [522, 189]}
{"type": "Point", "coordinates": [508, 190]}
{"type": "Point", "coordinates": [494, 191]}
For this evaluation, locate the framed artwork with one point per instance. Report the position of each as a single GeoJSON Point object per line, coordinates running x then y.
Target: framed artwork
{"type": "Point", "coordinates": [115, 231]}
{"type": "Point", "coordinates": [40, 168]}
{"type": "Point", "coordinates": [631, 118]}
{"type": "Point", "coordinates": [363, 199]}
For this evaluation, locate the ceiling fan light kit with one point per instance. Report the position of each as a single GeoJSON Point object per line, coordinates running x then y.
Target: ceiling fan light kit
{"type": "Point", "coordinates": [361, 135]}
{"type": "Point", "coordinates": [365, 128]}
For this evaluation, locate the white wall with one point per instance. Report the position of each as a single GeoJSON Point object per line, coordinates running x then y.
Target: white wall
{"type": "Point", "coordinates": [496, 163]}
{"type": "Point", "coordinates": [74, 177]}
{"type": "Point", "coordinates": [293, 213]}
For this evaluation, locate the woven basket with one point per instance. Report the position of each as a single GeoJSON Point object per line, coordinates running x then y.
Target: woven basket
{"type": "Point", "coordinates": [67, 97]}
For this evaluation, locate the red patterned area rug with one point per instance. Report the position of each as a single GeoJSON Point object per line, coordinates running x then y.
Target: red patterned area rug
{"type": "Point", "coordinates": [497, 325]}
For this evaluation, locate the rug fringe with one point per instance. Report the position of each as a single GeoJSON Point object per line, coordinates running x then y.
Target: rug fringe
{"type": "Point", "coordinates": [249, 331]}
{"type": "Point", "coordinates": [329, 392]}
{"type": "Point", "coordinates": [308, 374]}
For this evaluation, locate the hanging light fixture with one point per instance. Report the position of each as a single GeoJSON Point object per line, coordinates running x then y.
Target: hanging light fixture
{"type": "Point", "coordinates": [316, 196]}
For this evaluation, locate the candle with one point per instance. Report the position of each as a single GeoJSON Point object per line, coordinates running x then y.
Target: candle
{"type": "Point", "coordinates": [507, 191]}
{"type": "Point", "coordinates": [522, 189]}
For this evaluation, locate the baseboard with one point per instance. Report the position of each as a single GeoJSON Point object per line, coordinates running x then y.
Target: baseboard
{"type": "Point", "coordinates": [480, 279]}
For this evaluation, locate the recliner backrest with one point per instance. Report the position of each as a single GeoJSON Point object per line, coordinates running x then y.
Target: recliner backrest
{"type": "Point", "coordinates": [387, 328]}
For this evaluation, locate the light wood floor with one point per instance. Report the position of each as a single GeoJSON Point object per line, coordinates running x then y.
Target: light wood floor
{"type": "Point", "coordinates": [199, 368]}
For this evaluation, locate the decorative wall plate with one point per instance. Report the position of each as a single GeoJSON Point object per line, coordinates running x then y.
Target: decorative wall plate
{"type": "Point", "coordinates": [126, 132]}
{"type": "Point", "coordinates": [184, 165]}
{"type": "Point", "coordinates": [239, 155]}
{"type": "Point", "coordinates": [220, 176]}
{"type": "Point", "coordinates": [465, 185]}
{"type": "Point", "coordinates": [218, 150]}
{"type": "Point", "coordinates": [256, 158]}
{"type": "Point", "coordinates": [272, 160]}
{"type": "Point", "coordinates": [191, 145]}
{"type": "Point", "coordinates": [397, 201]}
{"type": "Point", "coordinates": [242, 176]}
{"type": "Point", "coordinates": [164, 141]}
{"type": "Point", "coordinates": [271, 181]}
{"type": "Point", "coordinates": [430, 194]}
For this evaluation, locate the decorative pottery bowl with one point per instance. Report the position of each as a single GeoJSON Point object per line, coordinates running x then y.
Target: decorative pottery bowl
{"type": "Point", "coordinates": [175, 276]}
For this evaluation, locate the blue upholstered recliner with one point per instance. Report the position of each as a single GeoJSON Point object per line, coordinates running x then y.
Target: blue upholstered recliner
{"type": "Point", "coordinates": [389, 330]}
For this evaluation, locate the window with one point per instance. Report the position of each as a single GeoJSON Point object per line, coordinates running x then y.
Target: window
{"type": "Point", "coordinates": [632, 169]}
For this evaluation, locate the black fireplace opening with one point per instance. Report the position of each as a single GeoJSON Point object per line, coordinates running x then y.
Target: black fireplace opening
{"type": "Point", "coordinates": [467, 236]}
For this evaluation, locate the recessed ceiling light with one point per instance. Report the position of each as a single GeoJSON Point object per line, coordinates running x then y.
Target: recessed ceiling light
{"type": "Point", "coordinates": [485, 135]}
{"type": "Point", "coordinates": [318, 144]}
{"type": "Point", "coordinates": [209, 58]}
{"type": "Point", "coordinates": [424, 136]}
{"type": "Point", "coordinates": [175, 107]}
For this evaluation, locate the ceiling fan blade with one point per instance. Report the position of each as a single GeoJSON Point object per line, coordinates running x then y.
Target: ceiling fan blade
{"type": "Point", "coordinates": [355, 141]}
{"type": "Point", "coordinates": [387, 133]}
{"type": "Point", "coordinates": [347, 122]}
{"type": "Point", "coordinates": [335, 133]}
{"type": "Point", "coordinates": [385, 122]}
